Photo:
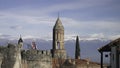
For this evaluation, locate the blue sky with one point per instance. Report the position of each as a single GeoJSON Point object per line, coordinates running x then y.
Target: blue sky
{"type": "Point", "coordinates": [90, 19]}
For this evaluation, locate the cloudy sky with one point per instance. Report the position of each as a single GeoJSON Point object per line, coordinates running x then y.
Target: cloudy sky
{"type": "Point", "coordinates": [35, 18]}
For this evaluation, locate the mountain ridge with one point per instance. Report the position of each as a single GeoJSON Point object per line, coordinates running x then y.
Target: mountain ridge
{"type": "Point", "coordinates": [88, 47]}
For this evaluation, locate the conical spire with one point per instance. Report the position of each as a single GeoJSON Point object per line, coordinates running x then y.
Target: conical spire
{"type": "Point", "coordinates": [58, 24]}
{"type": "Point", "coordinates": [77, 49]}
{"type": "Point", "coordinates": [20, 40]}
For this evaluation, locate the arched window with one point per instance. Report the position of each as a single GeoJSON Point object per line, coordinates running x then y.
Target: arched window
{"type": "Point", "coordinates": [58, 45]}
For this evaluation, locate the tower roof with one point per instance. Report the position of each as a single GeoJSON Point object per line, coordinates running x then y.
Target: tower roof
{"type": "Point", "coordinates": [20, 40]}
{"type": "Point", "coordinates": [58, 24]}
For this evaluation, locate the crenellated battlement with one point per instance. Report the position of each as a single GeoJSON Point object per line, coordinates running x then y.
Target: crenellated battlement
{"type": "Point", "coordinates": [33, 54]}
{"type": "Point", "coordinates": [18, 57]}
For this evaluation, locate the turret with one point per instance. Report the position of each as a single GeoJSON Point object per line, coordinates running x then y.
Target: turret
{"type": "Point", "coordinates": [77, 49]}
{"type": "Point", "coordinates": [20, 42]}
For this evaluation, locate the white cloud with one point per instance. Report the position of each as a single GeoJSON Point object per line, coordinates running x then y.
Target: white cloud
{"type": "Point", "coordinates": [76, 25]}
{"type": "Point", "coordinates": [56, 7]}
{"type": "Point", "coordinates": [114, 37]}
{"type": "Point", "coordinates": [73, 5]}
{"type": "Point", "coordinates": [99, 36]}
{"type": "Point", "coordinates": [27, 18]}
{"type": "Point", "coordinates": [16, 27]}
{"type": "Point", "coordinates": [7, 36]}
{"type": "Point", "coordinates": [95, 36]}
{"type": "Point", "coordinates": [40, 16]}
{"type": "Point", "coordinates": [29, 37]}
{"type": "Point", "coordinates": [70, 37]}
{"type": "Point", "coordinates": [94, 25]}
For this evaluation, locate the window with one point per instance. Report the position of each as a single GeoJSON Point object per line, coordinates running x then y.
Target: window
{"type": "Point", "coordinates": [113, 57]}
{"type": "Point", "coordinates": [58, 44]}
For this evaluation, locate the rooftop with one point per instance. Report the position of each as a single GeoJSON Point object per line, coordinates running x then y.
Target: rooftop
{"type": "Point", "coordinates": [107, 47]}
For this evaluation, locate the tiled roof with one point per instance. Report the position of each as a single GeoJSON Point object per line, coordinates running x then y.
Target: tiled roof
{"type": "Point", "coordinates": [78, 62]}
{"type": "Point", "coordinates": [108, 46]}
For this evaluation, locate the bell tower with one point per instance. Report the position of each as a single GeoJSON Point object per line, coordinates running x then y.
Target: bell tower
{"type": "Point", "coordinates": [58, 49]}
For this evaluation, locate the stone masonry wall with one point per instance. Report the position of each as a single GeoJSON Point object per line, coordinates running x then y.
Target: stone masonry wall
{"type": "Point", "coordinates": [36, 59]}
{"type": "Point", "coordinates": [8, 56]}
{"type": "Point", "coordinates": [11, 56]}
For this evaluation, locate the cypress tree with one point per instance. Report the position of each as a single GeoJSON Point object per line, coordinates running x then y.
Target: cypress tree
{"type": "Point", "coordinates": [77, 49]}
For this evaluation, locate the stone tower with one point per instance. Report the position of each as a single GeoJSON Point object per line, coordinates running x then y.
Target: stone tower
{"type": "Point", "coordinates": [58, 50]}
{"type": "Point", "coordinates": [77, 49]}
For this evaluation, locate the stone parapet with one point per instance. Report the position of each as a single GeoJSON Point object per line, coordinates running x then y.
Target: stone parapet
{"type": "Point", "coordinates": [36, 54]}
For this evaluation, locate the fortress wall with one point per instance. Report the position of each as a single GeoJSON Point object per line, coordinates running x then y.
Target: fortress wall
{"type": "Point", "coordinates": [8, 56]}
{"type": "Point", "coordinates": [36, 59]}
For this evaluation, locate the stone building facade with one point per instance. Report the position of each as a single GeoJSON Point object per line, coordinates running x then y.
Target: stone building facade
{"type": "Point", "coordinates": [36, 59]}
{"type": "Point", "coordinates": [10, 56]}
